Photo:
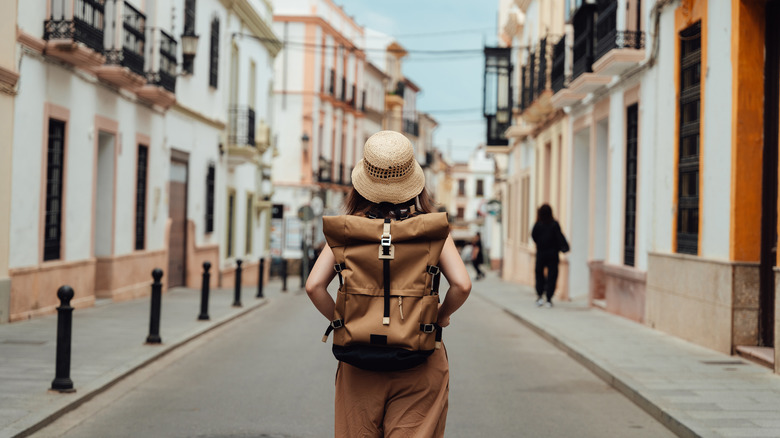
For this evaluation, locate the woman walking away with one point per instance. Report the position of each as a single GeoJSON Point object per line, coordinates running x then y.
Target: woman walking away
{"type": "Point", "coordinates": [549, 241]}
{"type": "Point", "coordinates": [476, 255]}
{"type": "Point", "coordinates": [375, 396]}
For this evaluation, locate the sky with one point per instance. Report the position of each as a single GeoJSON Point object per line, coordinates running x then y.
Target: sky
{"type": "Point", "coordinates": [451, 83]}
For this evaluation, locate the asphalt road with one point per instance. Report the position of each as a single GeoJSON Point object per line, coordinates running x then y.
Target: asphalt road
{"type": "Point", "coordinates": [267, 375]}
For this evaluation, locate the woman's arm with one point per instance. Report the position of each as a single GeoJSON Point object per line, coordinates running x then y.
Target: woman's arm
{"type": "Point", "coordinates": [455, 272]}
{"type": "Point", "coordinates": [317, 284]}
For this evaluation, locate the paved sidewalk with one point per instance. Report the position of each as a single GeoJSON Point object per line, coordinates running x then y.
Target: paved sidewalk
{"type": "Point", "coordinates": [108, 344]}
{"type": "Point", "coordinates": [694, 391]}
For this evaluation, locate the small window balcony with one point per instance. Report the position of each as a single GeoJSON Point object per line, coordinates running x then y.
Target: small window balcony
{"type": "Point", "coordinates": [241, 135]}
{"type": "Point", "coordinates": [616, 50]}
{"type": "Point", "coordinates": [125, 61]}
{"type": "Point", "coordinates": [583, 80]}
{"type": "Point", "coordinates": [324, 170]}
{"type": "Point", "coordinates": [562, 96]}
{"type": "Point", "coordinates": [75, 32]}
{"type": "Point", "coordinates": [412, 127]}
{"type": "Point", "coordinates": [161, 79]}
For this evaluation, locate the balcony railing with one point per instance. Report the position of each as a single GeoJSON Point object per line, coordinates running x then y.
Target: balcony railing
{"type": "Point", "coordinates": [165, 76]}
{"type": "Point", "coordinates": [619, 39]}
{"type": "Point", "coordinates": [324, 171]}
{"type": "Point", "coordinates": [541, 69]}
{"type": "Point", "coordinates": [86, 26]}
{"type": "Point", "coordinates": [242, 126]}
{"type": "Point", "coordinates": [497, 131]}
{"type": "Point", "coordinates": [133, 41]}
{"type": "Point", "coordinates": [412, 127]}
{"type": "Point", "coordinates": [559, 65]}
{"type": "Point", "coordinates": [583, 41]}
{"type": "Point", "coordinates": [332, 86]}
{"type": "Point", "coordinates": [343, 89]}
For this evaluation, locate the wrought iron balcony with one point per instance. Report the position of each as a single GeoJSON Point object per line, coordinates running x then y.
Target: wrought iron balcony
{"type": "Point", "coordinates": [496, 130]}
{"type": "Point", "coordinates": [583, 41]}
{"type": "Point", "coordinates": [165, 75]}
{"type": "Point", "coordinates": [332, 86]}
{"type": "Point", "coordinates": [412, 127]}
{"type": "Point", "coordinates": [542, 67]}
{"type": "Point", "coordinates": [241, 125]}
{"type": "Point", "coordinates": [619, 39]}
{"type": "Point", "coordinates": [85, 26]}
{"type": "Point", "coordinates": [558, 74]}
{"type": "Point", "coordinates": [131, 55]}
{"type": "Point", "coordinates": [343, 89]}
{"type": "Point", "coordinates": [324, 170]}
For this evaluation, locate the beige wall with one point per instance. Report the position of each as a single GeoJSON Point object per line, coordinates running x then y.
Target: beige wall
{"type": "Point", "coordinates": [8, 81]}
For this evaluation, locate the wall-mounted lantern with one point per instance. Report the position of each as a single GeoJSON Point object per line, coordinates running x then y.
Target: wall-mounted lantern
{"type": "Point", "coordinates": [189, 47]}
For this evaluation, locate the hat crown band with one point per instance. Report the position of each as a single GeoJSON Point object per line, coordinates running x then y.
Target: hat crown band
{"type": "Point", "coordinates": [388, 173]}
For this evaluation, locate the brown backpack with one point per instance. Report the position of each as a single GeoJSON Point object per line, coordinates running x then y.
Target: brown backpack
{"type": "Point", "coordinates": [388, 298]}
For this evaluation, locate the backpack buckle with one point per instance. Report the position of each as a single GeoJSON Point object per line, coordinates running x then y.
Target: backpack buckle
{"type": "Point", "coordinates": [338, 267]}
{"type": "Point", "coordinates": [428, 328]}
{"type": "Point", "coordinates": [339, 323]}
{"type": "Point", "coordinates": [386, 240]}
{"type": "Point", "coordinates": [433, 270]}
{"type": "Point", "coordinates": [389, 254]}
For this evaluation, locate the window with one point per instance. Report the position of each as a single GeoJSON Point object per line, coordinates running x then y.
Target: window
{"type": "Point", "coordinates": [480, 187]}
{"type": "Point", "coordinates": [214, 54]}
{"type": "Point", "coordinates": [210, 177]}
{"type": "Point", "coordinates": [525, 201]}
{"type": "Point", "coordinates": [55, 155]}
{"type": "Point", "coordinates": [248, 248]}
{"type": "Point", "coordinates": [230, 222]}
{"type": "Point", "coordinates": [688, 154]}
{"type": "Point", "coordinates": [140, 197]}
{"type": "Point", "coordinates": [189, 17]}
{"type": "Point", "coordinates": [461, 213]}
{"type": "Point", "coordinates": [461, 187]}
{"type": "Point", "coordinates": [631, 163]}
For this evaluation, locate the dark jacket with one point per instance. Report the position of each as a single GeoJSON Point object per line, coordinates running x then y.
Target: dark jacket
{"type": "Point", "coordinates": [547, 238]}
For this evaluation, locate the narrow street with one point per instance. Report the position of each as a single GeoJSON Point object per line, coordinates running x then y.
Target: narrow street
{"type": "Point", "coordinates": [268, 375]}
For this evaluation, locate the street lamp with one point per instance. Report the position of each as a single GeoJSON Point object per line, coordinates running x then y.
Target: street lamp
{"type": "Point", "coordinates": [189, 47]}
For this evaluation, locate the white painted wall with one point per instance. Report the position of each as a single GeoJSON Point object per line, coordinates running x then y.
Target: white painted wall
{"type": "Point", "coordinates": [616, 197]}
{"type": "Point", "coordinates": [579, 240]}
{"type": "Point", "coordinates": [715, 162]}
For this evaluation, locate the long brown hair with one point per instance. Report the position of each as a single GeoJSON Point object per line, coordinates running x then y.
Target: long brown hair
{"type": "Point", "coordinates": [356, 204]}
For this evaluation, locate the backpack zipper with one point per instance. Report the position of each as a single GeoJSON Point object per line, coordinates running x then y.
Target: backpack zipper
{"type": "Point", "coordinates": [401, 306]}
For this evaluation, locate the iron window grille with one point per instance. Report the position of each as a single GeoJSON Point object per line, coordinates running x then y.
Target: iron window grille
{"type": "Point", "coordinates": [541, 73]}
{"type": "Point", "coordinates": [558, 74]}
{"type": "Point", "coordinates": [134, 41]}
{"type": "Point", "coordinates": [140, 197]}
{"type": "Point", "coordinates": [165, 76]}
{"type": "Point", "coordinates": [632, 126]}
{"type": "Point", "coordinates": [86, 26]}
{"type": "Point", "coordinates": [55, 155]}
{"type": "Point", "coordinates": [689, 141]}
{"type": "Point", "coordinates": [210, 187]}
{"type": "Point", "coordinates": [189, 17]}
{"type": "Point", "coordinates": [214, 54]}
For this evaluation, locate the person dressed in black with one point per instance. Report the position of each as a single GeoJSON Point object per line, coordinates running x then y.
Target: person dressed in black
{"type": "Point", "coordinates": [549, 241]}
{"type": "Point", "coordinates": [476, 255]}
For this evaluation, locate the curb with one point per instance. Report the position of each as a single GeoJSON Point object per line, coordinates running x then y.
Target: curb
{"type": "Point", "coordinates": [38, 422]}
{"type": "Point", "coordinates": [659, 413]}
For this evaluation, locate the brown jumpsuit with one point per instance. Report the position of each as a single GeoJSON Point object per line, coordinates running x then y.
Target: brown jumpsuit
{"type": "Point", "coordinates": [398, 404]}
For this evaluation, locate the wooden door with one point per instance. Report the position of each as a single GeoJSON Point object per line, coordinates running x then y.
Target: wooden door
{"type": "Point", "coordinates": [177, 212]}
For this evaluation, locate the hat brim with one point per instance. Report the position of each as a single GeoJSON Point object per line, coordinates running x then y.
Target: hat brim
{"type": "Point", "coordinates": [392, 190]}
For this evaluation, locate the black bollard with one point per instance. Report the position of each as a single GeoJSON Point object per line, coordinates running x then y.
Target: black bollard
{"type": "Point", "coordinates": [204, 293]}
{"type": "Point", "coordinates": [260, 278]}
{"type": "Point", "coordinates": [284, 275]}
{"type": "Point", "coordinates": [237, 297]}
{"type": "Point", "coordinates": [62, 382]}
{"type": "Point", "coordinates": [154, 317]}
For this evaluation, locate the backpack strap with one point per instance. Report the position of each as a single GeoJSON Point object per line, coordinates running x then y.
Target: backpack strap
{"type": "Point", "coordinates": [436, 278]}
{"type": "Point", "coordinates": [338, 267]}
{"type": "Point", "coordinates": [336, 323]}
{"type": "Point", "coordinates": [386, 253]}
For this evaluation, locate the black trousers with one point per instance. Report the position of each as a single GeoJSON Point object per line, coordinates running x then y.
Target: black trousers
{"type": "Point", "coordinates": [476, 264]}
{"type": "Point", "coordinates": [546, 285]}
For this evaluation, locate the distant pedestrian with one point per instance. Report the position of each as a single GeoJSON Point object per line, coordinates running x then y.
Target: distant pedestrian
{"type": "Point", "coordinates": [476, 255]}
{"type": "Point", "coordinates": [388, 183]}
{"type": "Point", "coordinates": [549, 241]}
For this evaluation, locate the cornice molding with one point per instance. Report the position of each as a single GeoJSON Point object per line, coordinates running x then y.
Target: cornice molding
{"type": "Point", "coordinates": [214, 123]}
{"type": "Point", "coordinates": [255, 23]}
{"type": "Point", "coordinates": [8, 80]}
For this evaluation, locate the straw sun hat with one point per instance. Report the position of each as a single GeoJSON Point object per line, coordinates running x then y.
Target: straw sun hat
{"type": "Point", "coordinates": [388, 171]}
